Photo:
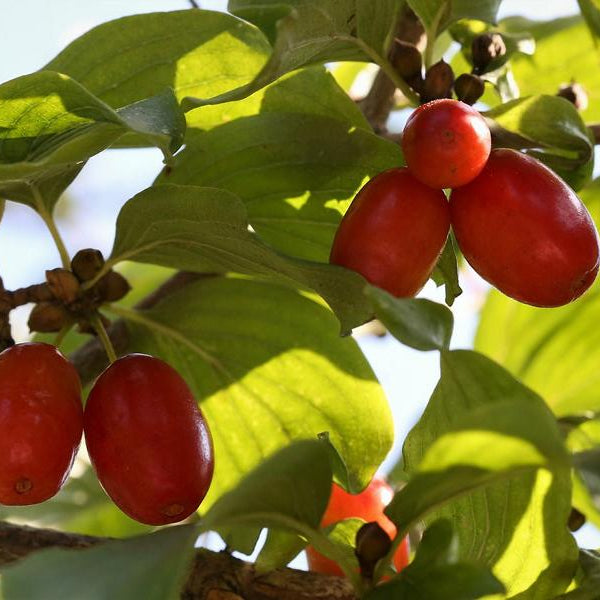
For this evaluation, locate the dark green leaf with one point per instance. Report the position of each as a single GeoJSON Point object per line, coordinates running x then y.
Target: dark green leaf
{"type": "Point", "coordinates": [435, 573]}
{"type": "Point", "coordinates": [290, 491]}
{"type": "Point", "coordinates": [446, 272]}
{"type": "Point", "coordinates": [549, 128]}
{"type": "Point", "coordinates": [416, 322]}
{"type": "Point", "coordinates": [588, 580]}
{"type": "Point", "coordinates": [150, 567]}
{"type": "Point", "coordinates": [588, 464]}
{"type": "Point", "coordinates": [313, 32]}
{"type": "Point", "coordinates": [527, 511]}
{"type": "Point", "coordinates": [232, 339]}
{"type": "Point", "coordinates": [200, 53]}
{"type": "Point", "coordinates": [205, 229]}
{"type": "Point", "coordinates": [296, 165]}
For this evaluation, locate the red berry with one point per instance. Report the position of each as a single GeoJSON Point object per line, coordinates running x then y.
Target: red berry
{"type": "Point", "coordinates": [148, 440]}
{"type": "Point", "coordinates": [41, 421]}
{"type": "Point", "coordinates": [393, 232]}
{"type": "Point", "coordinates": [525, 231]}
{"type": "Point", "coordinates": [446, 143]}
{"type": "Point", "coordinates": [368, 505]}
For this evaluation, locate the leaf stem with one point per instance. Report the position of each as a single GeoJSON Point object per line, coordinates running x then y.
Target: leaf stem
{"type": "Point", "coordinates": [97, 324]}
{"type": "Point", "coordinates": [60, 336]}
{"type": "Point", "coordinates": [431, 34]}
{"type": "Point", "coordinates": [51, 225]}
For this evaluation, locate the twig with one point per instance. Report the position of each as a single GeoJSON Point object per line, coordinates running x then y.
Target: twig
{"type": "Point", "coordinates": [212, 576]}
{"type": "Point", "coordinates": [194, 4]}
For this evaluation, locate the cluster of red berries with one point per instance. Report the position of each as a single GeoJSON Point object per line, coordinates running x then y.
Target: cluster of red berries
{"type": "Point", "coordinates": [146, 437]}
{"type": "Point", "coordinates": [517, 223]}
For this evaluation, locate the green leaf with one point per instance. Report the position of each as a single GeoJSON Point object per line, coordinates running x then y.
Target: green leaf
{"type": "Point", "coordinates": [49, 125]}
{"type": "Point", "coordinates": [281, 547]}
{"type": "Point", "coordinates": [446, 272]}
{"type": "Point", "coordinates": [232, 339]}
{"type": "Point", "coordinates": [313, 32]}
{"type": "Point", "coordinates": [416, 322]}
{"type": "Point", "coordinates": [199, 52]}
{"type": "Point", "coordinates": [295, 191]}
{"type": "Point", "coordinates": [437, 15]}
{"type": "Point", "coordinates": [435, 573]}
{"type": "Point", "coordinates": [524, 515]}
{"type": "Point", "coordinates": [557, 60]}
{"type": "Point", "coordinates": [150, 567]}
{"type": "Point", "coordinates": [588, 580]}
{"type": "Point", "coordinates": [289, 490]}
{"type": "Point", "coordinates": [551, 129]}
{"type": "Point", "coordinates": [205, 229]}
{"type": "Point", "coordinates": [457, 462]}
{"type": "Point", "coordinates": [590, 9]}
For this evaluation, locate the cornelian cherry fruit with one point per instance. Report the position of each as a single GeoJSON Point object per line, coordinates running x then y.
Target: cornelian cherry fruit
{"type": "Point", "coordinates": [393, 232]}
{"type": "Point", "coordinates": [525, 231]}
{"type": "Point", "coordinates": [41, 422]}
{"type": "Point", "coordinates": [148, 440]}
{"type": "Point", "coordinates": [369, 506]}
{"type": "Point", "coordinates": [446, 143]}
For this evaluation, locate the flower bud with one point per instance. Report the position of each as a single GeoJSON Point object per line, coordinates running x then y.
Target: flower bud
{"type": "Point", "coordinates": [372, 544]}
{"type": "Point", "coordinates": [112, 287]}
{"type": "Point", "coordinates": [87, 263]}
{"type": "Point", "coordinates": [469, 88]}
{"type": "Point", "coordinates": [47, 317]}
{"type": "Point", "coordinates": [439, 80]}
{"type": "Point", "coordinates": [484, 49]}
{"type": "Point", "coordinates": [574, 93]}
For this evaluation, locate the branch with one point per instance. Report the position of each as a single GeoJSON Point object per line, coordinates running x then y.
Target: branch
{"type": "Point", "coordinates": [379, 102]}
{"type": "Point", "coordinates": [90, 359]}
{"type": "Point", "coordinates": [213, 575]}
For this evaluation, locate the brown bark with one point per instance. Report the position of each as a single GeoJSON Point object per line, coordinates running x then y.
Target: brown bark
{"type": "Point", "coordinates": [212, 576]}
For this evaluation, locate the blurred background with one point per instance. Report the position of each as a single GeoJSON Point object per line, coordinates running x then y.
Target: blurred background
{"type": "Point", "coordinates": [86, 215]}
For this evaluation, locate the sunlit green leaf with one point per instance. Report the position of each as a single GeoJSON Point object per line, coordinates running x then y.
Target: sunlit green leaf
{"type": "Point", "coordinates": [522, 516]}
{"type": "Point", "coordinates": [200, 53]}
{"type": "Point", "coordinates": [312, 32]}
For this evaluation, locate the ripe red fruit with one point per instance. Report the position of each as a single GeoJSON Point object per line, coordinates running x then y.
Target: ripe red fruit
{"type": "Point", "coordinates": [148, 440]}
{"type": "Point", "coordinates": [393, 232]}
{"type": "Point", "coordinates": [41, 421]}
{"type": "Point", "coordinates": [446, 143]}
{"type": "Point", "coordinates": [525, 231]}
{"type": "Point", "coordinates": [368, 505]}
